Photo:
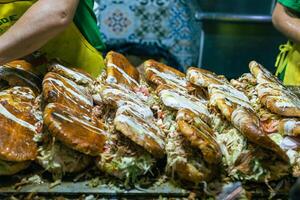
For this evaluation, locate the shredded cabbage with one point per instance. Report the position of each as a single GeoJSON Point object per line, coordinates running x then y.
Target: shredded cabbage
{"type": "Point", "coordinates": [59, 159]}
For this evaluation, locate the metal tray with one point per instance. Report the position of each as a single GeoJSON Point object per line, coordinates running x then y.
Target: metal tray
{"type": "Point", "coordinates": [168, 189]}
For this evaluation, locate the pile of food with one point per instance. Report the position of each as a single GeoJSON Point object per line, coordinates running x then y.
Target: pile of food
{"type": "Point", "coordinates": [191, 128]}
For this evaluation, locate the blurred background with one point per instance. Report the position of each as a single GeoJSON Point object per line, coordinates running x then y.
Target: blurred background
{"type": "Point", "coordinates": [219, 35]}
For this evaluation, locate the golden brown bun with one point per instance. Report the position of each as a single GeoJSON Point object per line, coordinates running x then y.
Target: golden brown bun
{"type": "Point", "coordinates": [248, 123]}
{"type": "Point", "coordinates": [273, 94]}
{"type": "Point", "coordinates": [74, 130]}
{"type": "Point", "coordinates": [278, 99]}
{"type": "Point", "coordinates": [57, 89]}
{"type": "Point", "coordinates": [176, 99]}
{"type": "Point", "coordinates": [289, 127]}
{"type": "Point", "coordinates": [143, 132]}
{"type": "Point", "coordinates": [120, 70]}
{"type": "Point", "coordinates": [226, 98]}
{"type": "Point", "coordinates": [204, 78]}
{"type": "Point", "coordinates": [236, 108]}
{"type": "Point", "coordinates": [116, 95]}
{"type": "Point", "coordinates": [19, 73]}
{"type": "Point", "coordinates": [262, 74]}
{"type": "Point", "coordinates": [78, 76]}
{"type": "Point", "coordinates": [159, 73]}
{"type": "Point", "coordinates": [188, 172]}
{"type": "Point", "coordinates": [200, 135]}
{"type": "Point", "coordinates": [17, 124]}
{"type": "Point", "coordinates": [21, 64]}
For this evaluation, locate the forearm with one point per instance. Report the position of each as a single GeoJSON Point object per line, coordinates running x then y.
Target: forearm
{"type": "Point", "coordinates": [287, 23]}
{"type": "Point", "coordinates": [43, 21]}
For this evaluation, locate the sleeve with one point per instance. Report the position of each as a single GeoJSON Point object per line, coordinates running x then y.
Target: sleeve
{"type": "Point", "coordinates": [292, 4]}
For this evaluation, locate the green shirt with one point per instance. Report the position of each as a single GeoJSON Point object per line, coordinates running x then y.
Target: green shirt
{"type": "Point", "coordinates": [86, 21]}
{"type": "Point", "coordinates": [292, 4]}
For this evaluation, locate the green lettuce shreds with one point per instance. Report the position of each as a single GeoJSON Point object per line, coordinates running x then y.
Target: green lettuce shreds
{"type": "Point", "coordinates": [244, 161]}
{"type": "Point", "coordinates": [124, 159]}
{"type": "Point", "coordinates": [59, 159]}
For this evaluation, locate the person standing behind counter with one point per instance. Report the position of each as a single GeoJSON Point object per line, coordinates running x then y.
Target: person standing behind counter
{"type": "Point", "coordinates": [286, 18]}
{"type": "Point", "coordinates": [64, 29]}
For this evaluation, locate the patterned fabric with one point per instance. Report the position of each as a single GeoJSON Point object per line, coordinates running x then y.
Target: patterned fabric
{"type": "Point", "coordinates": [167, 24]}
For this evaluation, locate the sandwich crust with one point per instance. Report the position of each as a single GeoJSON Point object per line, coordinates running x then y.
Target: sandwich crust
{"type": "Point", "coordinates": [120, 71]}
{"type": "Point", "coordinates": [278, 99]}
{"type": "Point", "coordinates": [200, 135]}
{"type": "Point", "coordinates": [159, 74]}
{"type": "Point", "coordinates": [273, 94]}
{"type": "Point", "coordinates": [236, 108]}
{"type": "Point", "coordinates": [176, 99]}
{"type": "Point", "coordinates": [76, 75]}
{"type": "Point", "coordinates": [74, 130]}
{"type": "Point", "coordinates": [143, 132]}
{"type": "Point", "coordinates": [57, 89]}
{"type": "Point", "coordinates": [248, 123]}
{"type": "Point", "coordinates": [290, 127]}
{"type": "Point", "coordinates": [203, 77]}
{"type": "Point", "coordinates": [17, 123]}
{"type": "Point", "coordinates": [11, 168]}
{"type": "Point", "coordinates": [18, 74]}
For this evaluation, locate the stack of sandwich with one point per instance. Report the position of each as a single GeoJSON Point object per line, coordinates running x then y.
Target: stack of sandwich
{"type": "Point", "coordinates": [195, 127]}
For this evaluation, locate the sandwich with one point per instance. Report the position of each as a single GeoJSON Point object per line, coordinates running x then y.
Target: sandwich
{"type": "Point", "coordinates": [185, 162]}
{"type": "Point", "coordinates": [72, 132]}
{"type": "Point", "coordinates": [70, 140]}
{"type": "Point", "coordinates": [200, 135]}
{"type": "Point", "coordinates": [124, 159]}
{"type": "Point", "coordinates": [175, 99]}
{"type": "Point", "coordinates": [203, 78]}
{"type": "Point", "coordinates": [20, 73]}
{"type": "Point", "coordinates": [143, 132]}
{"type": "Point", "coordinates": [192, 152]}
{"type": "Point", "coordinates": [273, 95]}
{"type": "Point", "coordinates": [58, 89]}
{"type": "Point", "coordinates": [19, 123]}
{"type": "Point", "coordinates": [157, 74]}
{"type": "Point", "coordinates": [120, 71]}
{"type": "Point", "coordinates": [245, 146]}
{"type": "Point", "coordinates": [79, 77]}
{"type": "Point", "coordinates": [134, 142]}
{"type": "Point", "coordinates": [280, 128]}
